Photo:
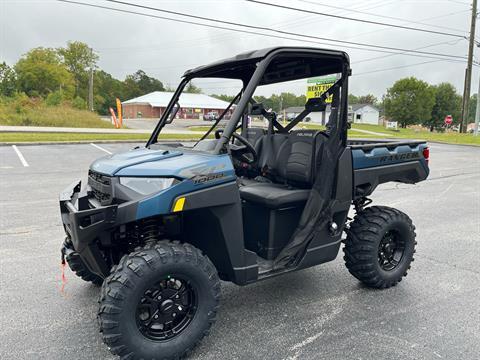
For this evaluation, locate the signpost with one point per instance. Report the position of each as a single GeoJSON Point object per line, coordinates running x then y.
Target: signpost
{"type": "Point", "coordinates": [392, 125]}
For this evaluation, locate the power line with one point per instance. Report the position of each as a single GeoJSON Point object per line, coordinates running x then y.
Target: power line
{"type": "Point", "coordinates": [354, 19]}
{"type": "Point", "coordinates": [429, 18]}
{"type": "Point", "coordinates": [384, 16]}
{"type": "Point", "coordinates": [396, 67]}
{"type": "Point", "coordinates": [278, 31]}
{"type": "Point", "coordinates": [346, 44]}
{"type": "Point", "coordinates": [422, 47]}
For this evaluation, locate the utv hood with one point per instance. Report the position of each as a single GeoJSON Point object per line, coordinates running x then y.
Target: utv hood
{"type": "Point", "coordinates": [162, 162]}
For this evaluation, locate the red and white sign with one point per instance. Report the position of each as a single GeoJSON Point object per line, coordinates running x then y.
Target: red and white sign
{"type": "Point", "coordinates": [448, 120]}
{"type": "Point", "coordinates": [114, 118]}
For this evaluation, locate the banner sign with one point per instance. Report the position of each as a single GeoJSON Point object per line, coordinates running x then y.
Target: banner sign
{"type": "Point", "coordinates": [317, 86]}
{"type": "Point", "coordinates": [114, 118]}
{"type": "Point", "coordinates": [119, 112]}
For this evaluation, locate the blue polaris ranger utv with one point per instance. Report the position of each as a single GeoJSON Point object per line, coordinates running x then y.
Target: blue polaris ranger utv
{"type": "Point", "coordinates": [159, 226]}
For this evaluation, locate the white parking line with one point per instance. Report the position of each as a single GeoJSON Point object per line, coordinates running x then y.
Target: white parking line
{"type": "Point", "coordinates": [100, 148]}
{"type": "Point", "coordinates": [20, 156]}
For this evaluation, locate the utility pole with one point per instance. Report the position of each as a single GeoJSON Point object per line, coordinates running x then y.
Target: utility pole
{"type": "Point", "coordinates": [90, 83]}
{"type": "Point", "coordinates": [468, 71]}
{"type": "Point", "coordinates": [477, 112]}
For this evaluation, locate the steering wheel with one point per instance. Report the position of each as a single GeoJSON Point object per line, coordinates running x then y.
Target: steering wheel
{"type": "Point", "coordinates": [240, 152]}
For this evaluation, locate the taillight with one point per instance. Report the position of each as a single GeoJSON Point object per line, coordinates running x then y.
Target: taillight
{"type": "Point", "coordinates": [426, 154]}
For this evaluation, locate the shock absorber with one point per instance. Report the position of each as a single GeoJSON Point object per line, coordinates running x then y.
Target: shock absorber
{"type": "Point", "coordinates": [149, 231]}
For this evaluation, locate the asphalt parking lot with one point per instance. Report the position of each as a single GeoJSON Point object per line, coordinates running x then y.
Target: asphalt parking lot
{"type": "Point", "coordinates": [318, 313]}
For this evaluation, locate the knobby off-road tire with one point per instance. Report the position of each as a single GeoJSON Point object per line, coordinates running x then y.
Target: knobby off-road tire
{"type": "Point", "coordinates": [379, 234]}
{"type": "Point", "coordinates": [128, 289]}
{"type": "Point", "coordinates": [77, 265]}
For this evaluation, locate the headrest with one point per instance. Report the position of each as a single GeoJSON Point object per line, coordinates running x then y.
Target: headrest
{"type": "Point", "coordinates": [302, 135]}
{"type": "Point", "coordinates": [315, 104]}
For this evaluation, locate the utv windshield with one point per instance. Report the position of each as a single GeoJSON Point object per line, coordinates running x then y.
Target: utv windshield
{"type": "Point", "coordinates": [249, 71]}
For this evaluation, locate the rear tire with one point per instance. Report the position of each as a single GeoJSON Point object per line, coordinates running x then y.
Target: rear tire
{"type": "Point", "coordinates": [379, 246]}
{"type": "Point", "coordinates": [145, 314]}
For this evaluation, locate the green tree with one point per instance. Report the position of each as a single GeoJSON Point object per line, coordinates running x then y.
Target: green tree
{"type": "Point", "coordinates": [223, 97]}
{"type": "Point", "coordinates": [40, 72]}
{"type": "Point", "coordinates": [140, 83]}
{"type": "Point", "coordinates": [106, 89]}
{"type": "Point", "coordinates": [362, 99]}
{"type": "Point", "coordinates": [192, 88]}
{"type": "Point", "coordinates": [367, 99]}
{"type": "Point", "coordinates": [78, 57]}
{"type": "Point", "coordinates": [409, 101]}
{"type": "Point", "coordinates": [287, 99]}
{"type": "Point", "coordinates": [447, 102]}
{"type": "Point", "coordinates": [472, 108]}
{"type": "Point", "coordinates": [352, 99]}
{"type": "Point", "coordinates": [8, 80]}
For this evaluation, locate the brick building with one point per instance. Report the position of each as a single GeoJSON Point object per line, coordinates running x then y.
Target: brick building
{"type": "Point", "coordinates": [192, 106]}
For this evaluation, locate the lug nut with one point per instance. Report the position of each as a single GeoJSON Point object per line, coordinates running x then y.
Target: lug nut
{"type": "Point", "coordinates": [156, 316]}
{"type": "Point", "coordinates": [180, 308]}
{"type": "Point", "coordinates": [159, 298]}
{"type": "Point", "coordinates": [174, 314]}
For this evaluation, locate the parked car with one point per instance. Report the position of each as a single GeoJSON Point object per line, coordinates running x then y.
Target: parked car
{"type": "Point", "coordinates": [210, 116]}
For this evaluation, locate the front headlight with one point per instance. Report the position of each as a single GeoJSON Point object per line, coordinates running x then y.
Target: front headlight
{"type": "Point", "coordinates": [147, 185]}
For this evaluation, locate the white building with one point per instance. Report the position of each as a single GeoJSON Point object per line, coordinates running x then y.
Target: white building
{"type": "Point", "coordinates": [364, 114]}
{"type": "Point", "coordinates": [192, 106]}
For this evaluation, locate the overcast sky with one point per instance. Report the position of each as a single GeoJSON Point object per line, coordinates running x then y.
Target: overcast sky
{"type": "Point", "coordinates": [165, 49]}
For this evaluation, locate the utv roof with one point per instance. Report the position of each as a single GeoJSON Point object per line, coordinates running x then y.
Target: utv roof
{"type": "Point", "coordinates": [291, 63]}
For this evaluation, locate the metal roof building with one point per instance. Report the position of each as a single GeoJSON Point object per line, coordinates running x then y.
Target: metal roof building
{"type": "Point", "coordinates": [192, 106]}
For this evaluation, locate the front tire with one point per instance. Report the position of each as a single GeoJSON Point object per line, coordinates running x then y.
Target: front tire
{"type": "Point", "coordinates": [77, 265]}
{"type": "Point", "coordinates": [379, 247]}
{"type": "Point", "coordinates": [159, 302]}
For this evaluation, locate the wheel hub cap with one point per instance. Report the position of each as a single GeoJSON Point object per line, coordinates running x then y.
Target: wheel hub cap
{"type": "Point", "coordinates": [166, 309]}
{"type": "Point", "coordinates": [390, 250]}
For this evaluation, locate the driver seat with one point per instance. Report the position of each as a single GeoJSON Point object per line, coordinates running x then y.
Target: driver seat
{"type": "Point", "coordinates": [293, 166]}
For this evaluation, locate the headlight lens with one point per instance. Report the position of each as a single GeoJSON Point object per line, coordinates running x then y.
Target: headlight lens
{"type": "Point", "coordinates": [147, 185]}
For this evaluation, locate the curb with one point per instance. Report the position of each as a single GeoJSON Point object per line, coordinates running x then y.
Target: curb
{"type": "Point", "coordinates": [446, 143]}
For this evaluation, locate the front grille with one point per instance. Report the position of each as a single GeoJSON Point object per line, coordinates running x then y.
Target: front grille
{"type": "Point", "coordinates": [103, 179]}
{"type": "Point", "coordinates": [101, 187]}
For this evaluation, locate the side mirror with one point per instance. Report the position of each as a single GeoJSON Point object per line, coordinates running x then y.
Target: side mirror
{"type": "Point", "coordinates": [173, 113]}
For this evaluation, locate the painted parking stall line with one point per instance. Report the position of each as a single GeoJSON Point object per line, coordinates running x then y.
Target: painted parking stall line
{"type": "Point", "coordinates": [20, 156]}
{"type": "Point", "coordinates": [101, 148]}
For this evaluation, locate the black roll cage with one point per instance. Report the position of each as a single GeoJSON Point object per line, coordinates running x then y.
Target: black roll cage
{"type": "Point", "coordinates": [251, 82]}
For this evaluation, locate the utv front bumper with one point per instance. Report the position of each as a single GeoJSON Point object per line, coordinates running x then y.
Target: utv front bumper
{"type": "Point", "coordinates": [87, 225]}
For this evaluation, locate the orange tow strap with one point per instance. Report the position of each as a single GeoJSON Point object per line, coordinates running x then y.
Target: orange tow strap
{"type": "Point", "coordinates": [63, 278]}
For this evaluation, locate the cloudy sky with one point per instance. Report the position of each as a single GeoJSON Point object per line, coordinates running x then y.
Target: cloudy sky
{"type": "Point", "coordinates": [165, 49]}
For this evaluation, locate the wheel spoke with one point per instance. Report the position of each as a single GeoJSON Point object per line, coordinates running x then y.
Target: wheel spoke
{"type": "Point", "coordinates": [166, 308]}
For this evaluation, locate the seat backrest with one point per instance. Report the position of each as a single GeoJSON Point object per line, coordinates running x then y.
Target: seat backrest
{"type": "Point", "coordinates": [270, 148]}
{"type": "Point", "coordinates": [299, 165]}
{"type": "Point", "coordinates": [289, 158]}
{"type": "Point", "coordinates": [254, 136]}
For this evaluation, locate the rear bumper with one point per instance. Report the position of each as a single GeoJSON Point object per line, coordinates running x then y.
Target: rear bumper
{"type": "Point", "coordinates": [84, 225]}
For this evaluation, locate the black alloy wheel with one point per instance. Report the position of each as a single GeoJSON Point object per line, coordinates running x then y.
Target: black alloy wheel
{"type": "Point", "coordinates": [166, 308]}
{"type": "Point", "coordinates": [379, 247]}
{"type": "Point", "coordinates": [390, 250]}
{"type": "Point", "coordinates": [158, 302]}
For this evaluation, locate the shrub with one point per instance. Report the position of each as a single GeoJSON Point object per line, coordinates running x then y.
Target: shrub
{"type": "Point", "coordinates": [24, 111]}
{"type": "Point", "coordinates": [55, 98]}
{"type": "Point", "coordinates": [79, 103]}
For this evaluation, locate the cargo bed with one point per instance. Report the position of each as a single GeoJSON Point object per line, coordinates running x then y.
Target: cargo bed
{"type": "Point", "coordinates": [377, 161]}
